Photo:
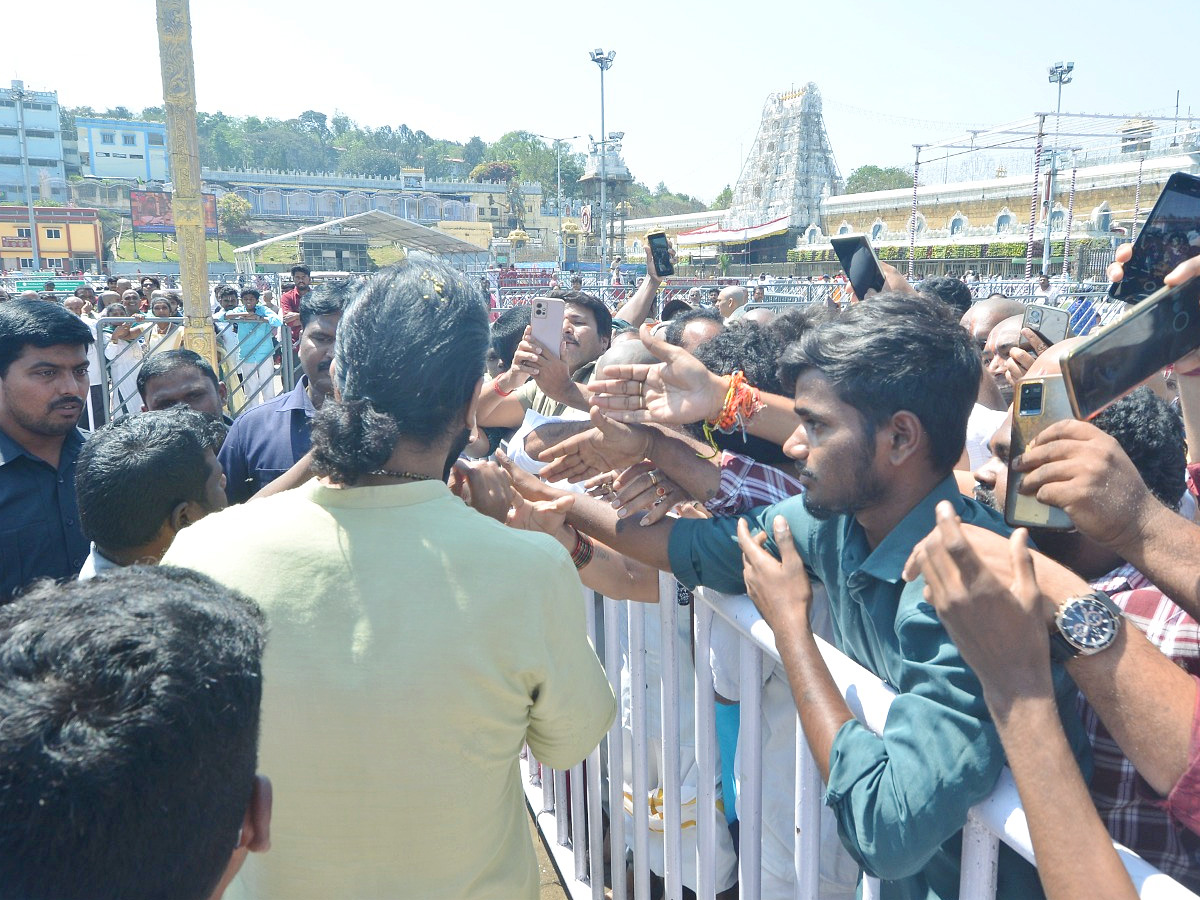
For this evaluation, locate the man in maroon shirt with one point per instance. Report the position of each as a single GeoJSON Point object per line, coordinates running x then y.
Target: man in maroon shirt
{"type": "Point", "coordinates": [289, 303]}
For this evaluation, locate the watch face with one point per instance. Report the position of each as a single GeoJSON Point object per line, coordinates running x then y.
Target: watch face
{"type": "Point", "coordinates": [1088, 624]}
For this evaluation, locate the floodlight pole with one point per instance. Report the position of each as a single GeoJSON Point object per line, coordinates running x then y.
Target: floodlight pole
{"type": "Point", "coordinates": [604, 61]}
{"type": "Point", "coordinates": [1060, 74]}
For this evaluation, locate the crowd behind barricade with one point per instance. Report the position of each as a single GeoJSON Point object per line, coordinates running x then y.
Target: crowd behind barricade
{"type": "Point", "coordinates": [393, 558]}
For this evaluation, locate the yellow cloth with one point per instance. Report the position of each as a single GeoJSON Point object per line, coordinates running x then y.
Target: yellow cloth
{"type": "Point", "coordinates": [414, 644]}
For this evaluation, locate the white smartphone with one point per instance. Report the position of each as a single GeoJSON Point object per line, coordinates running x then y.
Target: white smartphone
{"type": "Point", "coordinates": [547, 322]}
{"type": "Point", "coordinates": [1049, 322]}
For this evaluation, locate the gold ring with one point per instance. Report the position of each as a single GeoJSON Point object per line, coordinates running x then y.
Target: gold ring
{"type": "Point", "coordinates": [653, 477]}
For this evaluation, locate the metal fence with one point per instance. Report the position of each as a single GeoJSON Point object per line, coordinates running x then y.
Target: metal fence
{"type": "Point", "coordinates": [569, 806]}
{"type": "Point", "coordinates": [246, 363]}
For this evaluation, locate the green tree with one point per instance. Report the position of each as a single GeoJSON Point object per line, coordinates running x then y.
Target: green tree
{"type": "Point", "coordinates": [873, 178]}
{"type": "Point", "coordinates": [364, 160]}
{"type": "Point", "coordinates": [154, 114]}
{"type": "Point", "coordinates": [499, 170]}
{"type": "Point", "coordinates": [233, 212]}
{"type": "Point", "coordinates": [473, 152]}
{"type": "Point", "coordinates": [723, 200]}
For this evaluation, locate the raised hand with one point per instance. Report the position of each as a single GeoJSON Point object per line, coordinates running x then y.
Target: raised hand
{"type": "Point", "coordinates": [606, 446]}
{"type": "Point", "coordinates": [780, 588]}
{"type": "Point", "coordinates": [677, 391]}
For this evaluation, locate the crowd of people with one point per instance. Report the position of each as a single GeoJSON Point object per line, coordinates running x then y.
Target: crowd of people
{"type": "Point", "coordinates": [393, 561]}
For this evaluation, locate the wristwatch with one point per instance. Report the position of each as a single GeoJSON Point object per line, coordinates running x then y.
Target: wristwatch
{"type": "Point", "coordinates": [1084, 625]}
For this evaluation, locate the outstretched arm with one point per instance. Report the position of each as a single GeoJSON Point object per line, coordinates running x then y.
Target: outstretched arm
{"type": "Point", "coordinates": [1003, 637]}
{"type": "Point", "coordinates": [637, 308]}
{"type": "Point", "coordinates": [680, 390]}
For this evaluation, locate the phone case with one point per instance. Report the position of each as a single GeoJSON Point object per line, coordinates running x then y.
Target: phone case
{"type": "Point", "coordinates": [1020, 509]}
{"type": "Point", "coordinates": [546, 319]}
{"type": "Point", "coordinates": [1050, 322]}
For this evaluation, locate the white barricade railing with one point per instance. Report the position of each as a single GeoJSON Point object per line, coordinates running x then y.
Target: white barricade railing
{"type": "Point", "coordinates": [573, 828]}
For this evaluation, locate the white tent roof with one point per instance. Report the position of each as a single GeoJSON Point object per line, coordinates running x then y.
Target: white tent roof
{"type": "Point", "coordinates": [384, 226]}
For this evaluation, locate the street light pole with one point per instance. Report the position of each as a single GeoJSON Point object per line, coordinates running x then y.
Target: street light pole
{"type": "Point", "coordinates": [1060, 73]}
{"type": "Point", "coordinates": [604, 61]}
{"type": "Point", "coordinates": [558, 142]}
{"type": "Point", "coordinates": [19, 95]}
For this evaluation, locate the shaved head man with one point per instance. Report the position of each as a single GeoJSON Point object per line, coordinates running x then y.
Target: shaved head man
{"type": "Point", "coordinates": [985, 315]}
{"type": "Point", "coordinates": [730, 300]}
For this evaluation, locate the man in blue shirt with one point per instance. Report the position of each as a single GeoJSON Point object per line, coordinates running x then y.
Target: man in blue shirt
{"type": "Point", "coordinates": [43, 390]}
{"type": "Point", "coordinates": [882, 397]}
{"type": "Point", "coordinates": [268, 440]}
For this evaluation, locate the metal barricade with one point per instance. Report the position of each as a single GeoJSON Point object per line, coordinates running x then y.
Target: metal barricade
{"type": "Point", "coordinates": [120, 361]}
{"type": "Point", "coordinates": [572, 828]}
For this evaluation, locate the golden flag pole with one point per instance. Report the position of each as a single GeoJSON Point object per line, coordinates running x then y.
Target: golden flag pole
{"type": "Point", "coordinates": [179, 98]}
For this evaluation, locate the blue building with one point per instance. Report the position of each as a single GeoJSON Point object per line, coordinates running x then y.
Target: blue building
{"type": "Point", "coordinates": [123, 148]}
{"type": "Point", "coordinates": [37, 113]}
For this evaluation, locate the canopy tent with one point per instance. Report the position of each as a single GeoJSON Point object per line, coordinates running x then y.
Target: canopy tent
{"type": "Point", "coordinates": [385, 227]}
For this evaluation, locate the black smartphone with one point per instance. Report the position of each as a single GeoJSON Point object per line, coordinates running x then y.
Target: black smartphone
{"type": "Point", "coordinates": [859, 262]}
{"type": "Point", "coordinates": [661, 251]}
{"type": "Point", "coordinates": [1152, 335]}
{"type": "Point", "coordinates": [1170, 235]}
{"type": "Point", "coordinates": [1039, 403]}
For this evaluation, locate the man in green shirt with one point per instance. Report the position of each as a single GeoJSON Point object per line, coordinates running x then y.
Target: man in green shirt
{"type": "Point", "coordinates": [882, 396]}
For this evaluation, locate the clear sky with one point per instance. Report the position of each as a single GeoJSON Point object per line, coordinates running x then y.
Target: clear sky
{"type": "Point", "coordinates": [689, 80]}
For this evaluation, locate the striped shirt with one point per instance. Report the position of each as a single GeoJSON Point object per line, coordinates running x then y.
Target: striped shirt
{"type": "Point", "coordinates": [1136, 816]}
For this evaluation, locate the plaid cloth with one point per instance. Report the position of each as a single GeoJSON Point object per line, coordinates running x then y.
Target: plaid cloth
{"type": "Point", "coordinates": [746, 484]}
{"type": "Point", "coordinates": [1148, 824]}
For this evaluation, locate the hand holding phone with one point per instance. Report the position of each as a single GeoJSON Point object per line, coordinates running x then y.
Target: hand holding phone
{"type": "Point", "coordinates": [546, 321]}
{"type": "Point", "coordinates": [859, 262]}
{"type": "Point", "coordinates": [1170, 236]}
{"type": "Point", "coordinates": [660, 252]}
{"type": "Point", "coordinates": [1158, 331]}
{"type": "Point", "coordinates": [1038, 404]}
{"type": "Point", "coordinates": [1049, 323]}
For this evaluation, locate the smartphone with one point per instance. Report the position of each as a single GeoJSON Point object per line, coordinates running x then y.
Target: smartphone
{"type": "Point", "coordinates": [661, 251]}
{"type": "Point", "coordinates": [859, 262]}
{"type": "Point", "coordinates": [1039, 403]}
{"type": "Point", "coordinates": [1050, 323]}
{"type": "Point", "coordinates": [547, 322]}
{"type": "Point", "coordinates": [1152, 335]}
{"type": "Point", "coordinates": [1171, 235]}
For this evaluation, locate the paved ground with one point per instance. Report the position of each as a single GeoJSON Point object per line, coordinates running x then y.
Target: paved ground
{"type": "Point", "coordinates": [551, 885]}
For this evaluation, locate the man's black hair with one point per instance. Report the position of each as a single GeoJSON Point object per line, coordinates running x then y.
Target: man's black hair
{"type": "Point", "coordinates": [226, 290]}
{"type": "Point", "coordinates": [128, 753]}
{"type": "Point", "coordinates": [300, 267]}
{"type": "Point", "coordinates": [791, 325]}
{"type": "Point", "coordinates": [598, 308]}
{"type": "Point", "coordinates": [507, 331]}
{"type": "Point", "coordinates": [35, 323]}
{"type": "Point", "coordinates": [325, 300]}
{"type": "Point", "coordinates": [134, 471]}
{"type": "Point", "coordinates": [252, 291]}
{"type": "Point", "coordinates": [896, 352]}
{"type": "Point", "coordinates": [1152, 436]}
{"type": "Point", "coordinates": [410, 351]}
{"type": "Point", "coordinates": [156, 284]}
{"type": "Point", "coordinates": [157, 365]}
{"type": "Point", "coordinates": [948, 290]}
{"type": "Point", "coordinates": [755, 350]}
{"type": "Point", "coordinates": [674, 330]}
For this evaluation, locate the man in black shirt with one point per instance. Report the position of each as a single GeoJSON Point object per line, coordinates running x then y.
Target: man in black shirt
{"type": "Point", "coordinates": [43, 390]}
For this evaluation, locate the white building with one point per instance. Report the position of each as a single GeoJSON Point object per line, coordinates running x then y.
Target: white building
{"type": "Point", "coordinates": [123, 148]}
